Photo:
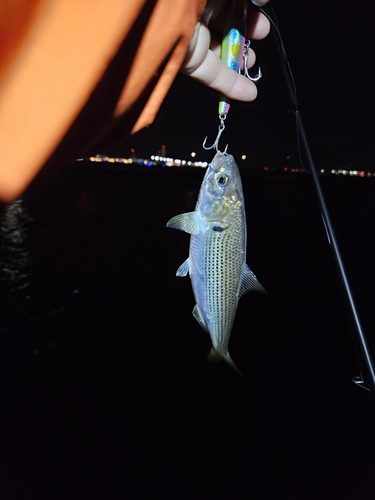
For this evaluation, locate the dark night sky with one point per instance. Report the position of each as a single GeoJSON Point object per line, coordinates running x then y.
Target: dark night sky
{"type": "Point", "coordinates": [330, 47]}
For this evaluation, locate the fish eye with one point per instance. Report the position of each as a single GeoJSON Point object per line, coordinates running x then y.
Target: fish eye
{"type": "Point", "coordinates": [222, 179]}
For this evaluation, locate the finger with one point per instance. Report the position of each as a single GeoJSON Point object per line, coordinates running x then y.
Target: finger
{"type": "Point", "coordinates": [258, 26]}
{"type": "Point", "coordinates": [215, 46]}
{"type": "Point", "coordinates": [259, 3]}
{"type": "Point", "coordinates": [213, 73]}
{"type": "Point", "coordinates": [251, 58]}
{"type": "Point", "coordinates": [198, 49]}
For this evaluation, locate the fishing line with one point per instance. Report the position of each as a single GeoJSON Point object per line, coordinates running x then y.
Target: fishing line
{"type": "Point", "coordinates": [359, 159]}
{"type": "Point", "coordinates": [368, 381]}
{"type": "Point", "coordinates": [293, 90]}
{"type": "Point", "coordinates": [293, 95]}
{"type": "Point", "coordinates": [274, 23]}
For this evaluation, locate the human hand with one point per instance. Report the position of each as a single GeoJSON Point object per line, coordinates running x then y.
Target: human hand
{"type": "Point", "coordinates": [203, 61]}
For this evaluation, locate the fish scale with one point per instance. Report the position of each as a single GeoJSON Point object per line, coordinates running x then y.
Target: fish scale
{"type": "Point", "coordinates": [216, 274]}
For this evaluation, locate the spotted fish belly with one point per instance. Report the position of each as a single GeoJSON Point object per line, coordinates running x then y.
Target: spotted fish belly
{"type": "Point", "coordinates": [217, 259]}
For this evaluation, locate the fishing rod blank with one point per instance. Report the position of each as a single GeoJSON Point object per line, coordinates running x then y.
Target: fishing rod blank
{"type": "Point", "coordinates": [304, 145]}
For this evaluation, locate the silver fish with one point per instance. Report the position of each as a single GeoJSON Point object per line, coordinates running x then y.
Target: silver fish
{"type": "Point", "coordinates": [216, 262]}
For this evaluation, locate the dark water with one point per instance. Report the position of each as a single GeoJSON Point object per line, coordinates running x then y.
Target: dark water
{"type": "Point", "coordinates": [106, 393]}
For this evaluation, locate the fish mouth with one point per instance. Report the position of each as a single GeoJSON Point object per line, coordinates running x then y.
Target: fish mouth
{"type": "Point", "coordinates": [220, 160]}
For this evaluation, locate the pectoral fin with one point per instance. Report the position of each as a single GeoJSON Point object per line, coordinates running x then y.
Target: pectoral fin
{"type": "Point", "coordinates": [183, 269]}
{"type": "Point", "coordinates": [249, 282]}
{"type": "Point", "coordinates": [188, 222]}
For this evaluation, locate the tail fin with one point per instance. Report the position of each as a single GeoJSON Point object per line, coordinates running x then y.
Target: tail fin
{"type": "Point", "coordinates": [216, 356]}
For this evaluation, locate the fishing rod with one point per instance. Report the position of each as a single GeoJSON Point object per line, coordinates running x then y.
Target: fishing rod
{"type": "Point", "coordinates": [368, 381]}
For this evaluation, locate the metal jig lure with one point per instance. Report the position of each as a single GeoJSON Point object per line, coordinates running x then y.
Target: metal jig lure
{"type": "Point", "coordinates": [234, 53]}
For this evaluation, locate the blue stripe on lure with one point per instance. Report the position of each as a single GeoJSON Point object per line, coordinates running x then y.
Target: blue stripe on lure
{"type": "Point", "coordinates": [232, 50]}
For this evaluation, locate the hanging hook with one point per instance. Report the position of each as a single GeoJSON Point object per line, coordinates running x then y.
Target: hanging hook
{"type": "Point", "coordinates": [219, 132]}
{"type": "Point", "coordinates": [246, 57]}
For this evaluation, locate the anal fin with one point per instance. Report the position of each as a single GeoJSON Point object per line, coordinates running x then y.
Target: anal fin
{"type": "Point", "coordinates": [198, 316]}
{"type": "Point", "coordinates": [183, 269]}
{"type": "Point", "coordinates": [249, 282]}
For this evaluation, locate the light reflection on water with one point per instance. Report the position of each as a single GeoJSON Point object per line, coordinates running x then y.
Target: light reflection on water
{"type": "Point", "coordinates": [29, 308]}
{"type": "Point", "coordinates": [16, 255]}
{"type": "Point", "coordinates": [17, 264]}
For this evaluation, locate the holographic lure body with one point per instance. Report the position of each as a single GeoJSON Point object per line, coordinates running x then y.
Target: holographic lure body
{"type": "Point", "coordinates": [232, 50]}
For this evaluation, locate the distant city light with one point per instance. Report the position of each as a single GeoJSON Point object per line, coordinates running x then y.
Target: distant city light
{"type": "Point", "coordinates": [158, 160]}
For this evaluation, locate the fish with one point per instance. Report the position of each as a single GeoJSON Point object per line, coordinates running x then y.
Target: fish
{"type": "Point", "coordinates": [217, 253]}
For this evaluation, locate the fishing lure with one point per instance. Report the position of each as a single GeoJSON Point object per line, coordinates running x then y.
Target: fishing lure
{"type": "Point", "coordinates": [234, 53]}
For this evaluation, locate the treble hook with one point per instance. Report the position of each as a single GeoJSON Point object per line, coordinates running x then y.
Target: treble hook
{"type": "Point", "coordinates": [219, 132]}
{"type": "Point", "coordinates": [246, 57]}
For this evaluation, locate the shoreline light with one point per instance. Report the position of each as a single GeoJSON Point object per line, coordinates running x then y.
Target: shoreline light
{"type": "Point", "coordinates": [156, 160]}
